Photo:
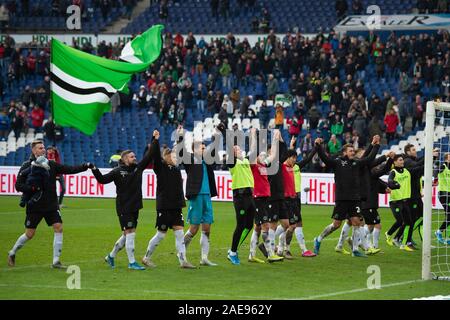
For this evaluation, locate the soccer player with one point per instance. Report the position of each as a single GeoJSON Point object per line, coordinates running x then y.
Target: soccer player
{"type": "Point", "coordinates": [46, 207]}
{"type": "Point", "coordinates": [443, 175]}
{"type": "Point", "coordinates": [416, 203]}
{"type": "Point", "coordinates": [128, 180]}
{"type": "Point", "coordinates": [277, 206]}
{"type": "Point", "coordinates": [53, 154]}
{"type": "Point", "coordinates": [399, 182]}
{"type": "Point", "coordinates": [261, 195]}
{"type": "Point", "coordinates": [347, 176]}
{"type": "Point", "coordinates": [200, 188]}
{"type": "Point", "coordinates": [242, 185]}
{"type": "Point", "coordinates": [369, 207]}
{"type": "Point", "coordinates": [169, 203]}
{"type": "Point", "coordinates": [292, 192]}
{"type": "Point", "coordinates": [370, 185]}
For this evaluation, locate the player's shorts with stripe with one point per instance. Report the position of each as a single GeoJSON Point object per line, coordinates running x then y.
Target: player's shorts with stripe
{"type": "Point", "coordinates": [166, 219]}
{"type": "Point", "coordinates": [244, 204]}
{"type": "Point", "coordinates": [416, 208]}
{"type": "Point", "coordinates": [200, 210]}
{"type": "Point", "coordinates": [277, 210]}
{"type": "Point", "coordinates": [129, 221]}
{"type": "Point", "coordinates": [33, 219]}
{"type": "Point", "coordinates": [346, 209]}
{"type": "Point", "coordinates": [371, 216]}
{"type": "Point", "coordinates": [262, 210]}
{"type": "Point", "coordinates": [293, 210]}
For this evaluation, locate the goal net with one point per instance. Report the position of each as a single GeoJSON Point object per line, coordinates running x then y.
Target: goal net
{"type": "Point", "coordinates": [436, 235]}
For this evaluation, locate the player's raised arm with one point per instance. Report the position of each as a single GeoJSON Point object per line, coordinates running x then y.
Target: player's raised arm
{"type": "Point", "coordinates": [329, 162]}
{"type": "Point", "coordinates": [375, 147]}
{"type": "Point", "coordinates": [104, 178]}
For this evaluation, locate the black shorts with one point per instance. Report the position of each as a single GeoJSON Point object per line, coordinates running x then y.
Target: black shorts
{"type": "Point", "coordinates": [371, 216]}
{"type": "Point", "coordinates": [166, 219]}
{"type": "Point", "coordinates": [416, 208]}
{"type": "Point", "coordinates": [262, 211]}
{"type": "Point", "coordinates": [293, 210]}
{"type": "Point", "coordinates": [277, 210]}
{"type": "Point", "coordinates": [346, 209]}
{"type": "Point", "coordinates": [129, 221]}
{"type": "Point", "coordinates": [244, 204]}
{"type": "Point", "coordinates": [32, 220]}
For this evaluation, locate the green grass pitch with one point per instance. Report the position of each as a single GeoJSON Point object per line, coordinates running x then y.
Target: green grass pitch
{"type": "Point", "coordinates": [91, 227]}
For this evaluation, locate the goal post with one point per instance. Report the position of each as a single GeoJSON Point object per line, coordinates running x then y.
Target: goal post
{"type": "Point", "coordinates": [435, 254]}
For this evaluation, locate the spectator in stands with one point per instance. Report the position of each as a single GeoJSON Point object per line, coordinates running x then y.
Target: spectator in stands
{"type": "Point", "coordinates": [17, 118]}
{"type": "Point", "coordinates": [225, 72]}
{"type": "Point", "coordinates": [314, 117]}
{"type": "Point", "coordinates": [4, 17]}
{"type": "Point", "coordinates": [229, 106]}
{"type": "Point", "coordinates": [306, 145]}
{"type": "Point", "coordinates": [357, 7]}
{"type": "Point", "coordinates": [37, 118]}
{"type": "Point", "coordinates": [223, 116]}
{"type": "Point", "coordinates": [5, 126]}
{"type": "Point", "coordinates": [215, 9]}
{"type": "Point", "coordinates": [294, 127]}
{"type": "Point", "coordinates": [163, 10]}
{"type": "Point", "coordinates": [445, 89]}
{"type": "Point", "coordinates": [334, 146]}
{"type": "Point", "coordinates": [337, 128]}
{"type": "Point", "coordinates": [391, 121]}
{"type": "Point", "coordinates": [141, 97]}
{"type": "Point", "coordinates": [442, 6]}
{"type": "Point", "coordinates": [272, 87]}
{"type": "Point", "coordinates": [279, 116]}
{"type": "Point", "coordinates": [264, 115]}
{"type": "Point", "coordinates": [417, 112]}
{"type": "Point", "coordinates": [341, 7]}
{"type": "Point", "coordinates": [224, 8]}
{"type": "Point", "coordinates": [200, 96]}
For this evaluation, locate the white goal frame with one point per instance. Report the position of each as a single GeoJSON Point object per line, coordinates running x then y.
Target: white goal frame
{"type": "Point", "coordinates": [431, 109]}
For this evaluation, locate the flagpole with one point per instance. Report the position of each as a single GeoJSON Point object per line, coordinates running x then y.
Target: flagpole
{"type": "Point", "coordinates": [51, 90]}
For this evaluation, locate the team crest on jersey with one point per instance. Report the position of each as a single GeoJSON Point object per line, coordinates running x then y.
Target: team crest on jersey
{"type": "Point", "coordinates": [344, 163]}
{"type": "Point", "coordinates": [123, 173]}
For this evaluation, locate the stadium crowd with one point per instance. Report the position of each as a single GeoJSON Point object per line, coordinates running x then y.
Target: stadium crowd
{"type": "Point", "coordinates": [324, 76]}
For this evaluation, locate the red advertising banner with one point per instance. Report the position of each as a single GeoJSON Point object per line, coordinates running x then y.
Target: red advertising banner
{"type": "Point", "coordinates": [320, 186]}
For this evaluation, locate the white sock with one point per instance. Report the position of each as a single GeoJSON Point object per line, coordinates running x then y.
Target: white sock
{"type": "Point", "coordinates": [282, 242]}
{"type": "Point", "coordinates": [57, 246]}
{"type": "Point", "coordinates": [344, 234]}
{"type": "Point", "coordinates": [19, 244]}
{"type": "Point", "coordinates": [179, 244]}
{"type": "Point", "coordinates": [326, 232]}
{"type": "Point", "coordinates": [120, 243]}
{"type": "Point", "coordinates": [300, 238]}
{"type": "Point", "coordinates": [129, 246]}
{"type": "Point", "coordinates": [363, 233]}
{"type": "Point", "coordinates": [267, 245]}
{"type": "Point", "coordinates": [232, 253]}
{"type": "Point", "coordinates": [187, 238]}
{"type": "Point", "coordinates": [204, 243]}
{"type": "Point", "coordinates": [154, 242]}
{"type": "Point", "coordinates": [355, 237]}
{"type": "Point", "coordinates": [254, 243]}
{"type": "Point", "coordinates": [272, 240]}
{"type": "Point", "coordinates": [367, 233]}
{"type": "Point", "coordinates": [376, 237]}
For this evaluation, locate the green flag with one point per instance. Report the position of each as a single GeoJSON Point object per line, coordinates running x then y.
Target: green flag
{"type": "Point", "coordinates": [82, 84]}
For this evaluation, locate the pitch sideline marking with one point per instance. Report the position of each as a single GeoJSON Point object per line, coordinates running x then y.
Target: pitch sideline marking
{"type": "Point", "coordinates": [214, 294]}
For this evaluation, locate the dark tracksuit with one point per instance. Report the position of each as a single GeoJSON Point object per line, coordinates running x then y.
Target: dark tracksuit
{"type": "Point", "coordinates": [128, 181]}
{"type": "Point", "coordinates": [416, 196]}
{"type": "Point", "coordinates": [47, 206]}
{"type": "Point", "coordinates": [37, 179]}
{"type": "Point", "coordinates": [444, 198]}
{"type": "Point", "coordinates": [369, 207]}
{"type": "Point", "coordinates": [347, 180]}
{"type": "Point", "coordinates": [169, 192]}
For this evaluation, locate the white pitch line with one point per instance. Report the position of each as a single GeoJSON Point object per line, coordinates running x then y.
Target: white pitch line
{"type": "Point", "coordinates": [339, 293]}
{"type": "Point", "coordinates": [171, 293]}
